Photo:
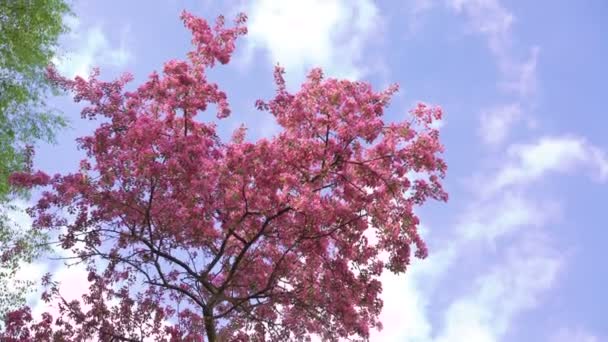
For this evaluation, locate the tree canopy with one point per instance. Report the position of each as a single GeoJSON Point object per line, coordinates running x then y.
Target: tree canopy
{"type": "Point", "coordinates": [190, 237]}
{"type": "Point", "coordinates": [29, 33]}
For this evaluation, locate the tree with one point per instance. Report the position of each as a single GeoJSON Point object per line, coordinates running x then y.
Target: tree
{"type": "Point", "coordinates": [187, 237]}
{"type": "Point", "coordinates": [18, 245]}
{"type": "Point", "coordinates": [29, 30]}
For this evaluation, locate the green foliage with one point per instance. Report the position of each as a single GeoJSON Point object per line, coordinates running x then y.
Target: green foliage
{"type": "Point", "coordinates": [29, 31]}
{"type": "Point", "coordinates": [18, 245]}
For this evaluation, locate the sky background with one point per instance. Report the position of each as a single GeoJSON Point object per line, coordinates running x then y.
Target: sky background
{"type": "Point", "coordinates": [518, 253]}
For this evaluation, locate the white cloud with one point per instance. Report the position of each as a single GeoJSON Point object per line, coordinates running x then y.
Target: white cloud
{"type": "Point", "coordinates": [414, 12]}
{"type": "Point", "coordinates": [20, 222]}
{"type": "Point", "coordinates": [88, 48]}
{"type": "Point", "coordinates": [522, 264]}
{"type": "Point", "coordinates": [506, 224]}
{"type": "Point", "coordinates": [15, 212]}
{"type": "Point", "coordinates": [496, 122]}
{"type": "Point", "coordinates": [418, 6]}
{"type": "Point", "coordinates": [304, 34]}
{"type": "Point", "coordinates": [72, 285]}
{"type": "Point", "coordinates": [73, 279]}
{"type": "Point", "coordinates": [529, 162]}
{"type": "Point", "coordinates": [489, 18]}
{"type": "Point", "coordinates": [522, 78]}
{"type": "Point", "coordinates": [527, 266]}
{"type": "Point", "coordinates": [300, 35]}
{"type": "Point", "coordinates": [492, 21]}
{"type": "Point", "coordinates": [404, 315]}
{"type": "Point", "coordinates": [492, 219]}
{"type": "Point", "coordinates": [512, 286]}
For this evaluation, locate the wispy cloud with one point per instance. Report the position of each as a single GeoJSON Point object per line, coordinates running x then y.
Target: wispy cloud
{"type": "Point", "coordinates": [493, 22]}
{"type": "Point", "coordinates": [303, 34]}
{"type": "Point", "coordinates": [521, 78]}
{"type": "Point", "coordinates": [90, 47]}
{"type": "Point", "coordinates": [522, 264]}
{"type": "Point", "coordinates": [495, 123]}
{"type": "Point", "coordinates": [530, 162]}
{"type": "Point", "coordinates": [488, 18]}
{"type": "Point", "coordinates": [509, 227]}
{"type": "Point", "coordinates": [300, 35]}
{"type": "Point", "coordinates": [489, 220]}
{"type": "Point", "coordinates": [486, 311]}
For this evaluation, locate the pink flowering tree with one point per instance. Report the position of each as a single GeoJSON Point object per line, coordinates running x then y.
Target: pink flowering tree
{"type": "Point", "coordinates": [187, 237]}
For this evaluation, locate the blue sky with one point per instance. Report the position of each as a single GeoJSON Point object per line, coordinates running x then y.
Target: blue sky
{"type": "Point", "coordinates": [517, 253]}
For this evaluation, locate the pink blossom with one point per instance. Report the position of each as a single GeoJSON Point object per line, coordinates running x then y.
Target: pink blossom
{"type": "Point", "coordinates": [235, 240]}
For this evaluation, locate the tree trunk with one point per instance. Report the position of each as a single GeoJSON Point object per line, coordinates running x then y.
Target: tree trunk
{"type": "Point", "coordinates": [209, 324]}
